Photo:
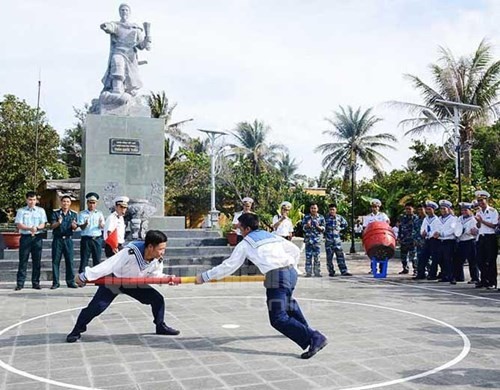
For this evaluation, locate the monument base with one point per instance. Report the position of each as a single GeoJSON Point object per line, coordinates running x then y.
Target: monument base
{"type": "Point", "coordinates": [124, 156]}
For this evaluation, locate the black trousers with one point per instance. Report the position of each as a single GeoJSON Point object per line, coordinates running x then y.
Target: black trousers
{"type": "Point", "coordinates": [487, 251]}
{"type": "Point", "coordinates": [30, 245]}
{"type": "Point", "coordinates": [147, 295]}
{"type": "Point", "coordinates": [429, 252]}
{"type": "Point", "coordinates": [90, 246]}
{"type": "Point", "coordinates": [467, 251]}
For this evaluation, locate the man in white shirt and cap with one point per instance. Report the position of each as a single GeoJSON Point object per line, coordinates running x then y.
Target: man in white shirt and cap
{"type": "Point", "coordinates": [487, 247]}
{"type": "Point", "coordinates": [376, 214]}
{"type": "Point", "coordinates": [448, 235]}
{"type": "Point", "coordinates": [430, 231]}
{"type": "Point", "coordinates": [247, 204]}
{"type": "Point", "coordinates": [277, 259]}
{"type": "Point", "coordinates": [137, 259]}
{"type": "Point", "coordinates": [467, 244]}
{"type": "Point", "coordinates": [282, 224]}
{"type": "Point", "coordinates": [114, 228]}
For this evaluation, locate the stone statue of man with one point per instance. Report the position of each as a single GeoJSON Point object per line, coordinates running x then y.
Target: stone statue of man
{"type": "Point", "coordinates": [121, 80]}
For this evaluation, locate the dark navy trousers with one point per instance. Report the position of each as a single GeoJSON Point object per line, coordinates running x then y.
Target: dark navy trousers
{"type": "Point", "coordinates": [284, 311]}
{"type": "Point", "coordinates": [104, 296]}
{"type": "Point", "coordinates": [467, 251]}
{"type": "Point", "coordinates": [429, 252]}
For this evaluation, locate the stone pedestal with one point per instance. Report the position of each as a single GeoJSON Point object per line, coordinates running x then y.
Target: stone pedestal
{"type": "Point", "coordinates": [123, 155]}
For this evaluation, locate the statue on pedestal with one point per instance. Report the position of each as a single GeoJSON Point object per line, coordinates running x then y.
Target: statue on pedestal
{"type": "Point", "coordinates": [121, 80]}
{"type": "Point", "coordinates": [138, 214]}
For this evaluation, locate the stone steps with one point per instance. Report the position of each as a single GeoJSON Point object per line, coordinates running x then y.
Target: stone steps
{"type": "Point", "coordinates": [189, 252]}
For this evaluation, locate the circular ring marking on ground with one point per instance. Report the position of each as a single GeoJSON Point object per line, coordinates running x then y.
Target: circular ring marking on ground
{"type": "Point", "coordinates": [463, 353]}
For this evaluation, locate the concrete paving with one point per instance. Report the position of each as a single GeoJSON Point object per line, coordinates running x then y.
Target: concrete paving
{"type": "Point", "coordinates": [389, 333]}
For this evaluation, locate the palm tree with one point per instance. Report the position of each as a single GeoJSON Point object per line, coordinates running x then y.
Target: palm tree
{"type": "Point", "coordinates": [287, 167]}
{"type": "Point", "coordinates": [160, 108]}
{"type": "Point", "coordinates": [473, 79]}
{"type": "Point", "coordinates": [252, 144]}
{"type": "Point", "coordinates": [352, 144]}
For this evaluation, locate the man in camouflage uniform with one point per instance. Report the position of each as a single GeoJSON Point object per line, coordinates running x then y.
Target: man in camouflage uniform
{"type": "Point", "coordinates": [334, 224]}
{"type": "Point", "coordinates": [406, 239]}
{"type": "Point", "coordinates": [313, 225]}
{"type": "Point", "coordinates": [418, 240]}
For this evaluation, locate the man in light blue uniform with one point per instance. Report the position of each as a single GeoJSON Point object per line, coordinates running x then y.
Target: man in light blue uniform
{"type": "Point", "coordinates": [30, 221]}
{"type": "Point", "coordinates": [91, 221]}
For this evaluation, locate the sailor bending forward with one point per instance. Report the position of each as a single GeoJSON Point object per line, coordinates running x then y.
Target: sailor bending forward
{"type": "Point", "coordinates": [137, 259]}
{"type": "Point", "coordinates": [277, 258]}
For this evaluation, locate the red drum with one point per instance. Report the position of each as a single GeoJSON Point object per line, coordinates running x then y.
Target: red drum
{"type": "Point", "coordinates": [379, 241]}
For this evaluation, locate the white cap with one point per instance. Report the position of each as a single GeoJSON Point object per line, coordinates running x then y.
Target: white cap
{"type": "Point", "coordinates": [482, 194]}
{"type": "Point", "coordinates": [445, 203]}
{"type": "Point", "coordinates": [122, 201]}
{"type": "Point", "coordinates": [431, 204]}
{"type": "Point", "coordinates": [247, 199]}
{"type": "Point", "coordinates": [285, 204]}
{"type": "Point", "coordinates": [376, 202]}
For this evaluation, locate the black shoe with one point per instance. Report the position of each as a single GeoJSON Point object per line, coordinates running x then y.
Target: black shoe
{"type": "Point", "coordinates": [318, 342]}
{"type": "Point", "coordinates": [73, 336]}
{"type": "Point", "coordinates": [453, 281]}
{"type": "Point", "coordinates": [18, 288]}
{"type": "Point", "coordinates": [54, 286]}
{"type": "Point", "coordinates": [307, 275]}
{"type": "Point", "coordinates": [331, 274]}
{"type": "Point", "coordinates": [37, 287]}
{"type": "Point", "coordinates": [317, 275]}
{"type": "Point", "coordinates": [473, 282]}
{"type": "Point", "coordinates": [431, 278]}
{"type": "Point", "coordinates": [72, 285]}
{"type": "Point", "coordinates": [346, 274]}
{"type": "Point", "coordinates": [404, 272]}
{"type": "Point", "coordinates": [479, 285]}
{"type": "Point", "coordinates": [166, 330]}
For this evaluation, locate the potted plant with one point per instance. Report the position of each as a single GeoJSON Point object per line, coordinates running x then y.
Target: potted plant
{"type": "Point", "coordinates": [11, 235]}
{"type": "Point", "coordinates": [229, 233]}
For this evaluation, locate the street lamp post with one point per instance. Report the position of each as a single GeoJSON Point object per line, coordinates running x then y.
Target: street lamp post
{"type": "Point", "coordinates": [213, 135]}
{"type": "Point", "coordinates": [457, 108]}
{"type": "Point", "coordinates": [354, 167]}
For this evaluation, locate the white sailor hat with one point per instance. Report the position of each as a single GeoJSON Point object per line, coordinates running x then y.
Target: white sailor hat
{"type": "Point", "coordinates": [122, 201]}
{"type": "Point", "coordinates": [286, 205]}
{"type": "Point", "coordinates": [482, 194]}
{"type": "Point", "coordinates": [465, 205]}
{"type": "Point", "coordinates": [376, 202]}
{"type": "Point", "coordinates": [445, 203]}
{"type": "Point", "coordinates": [92, 197]}
{"type": "Point", "coordinates": [247, 199]}
{"type": "Point", "coordinates": [431, 204]}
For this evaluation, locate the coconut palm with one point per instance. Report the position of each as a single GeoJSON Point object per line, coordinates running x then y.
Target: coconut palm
{"type": "Point", "coordinates": [352, 143]}
{"type": "Point", "coordinates": [251, 138]}
{"type": "Point", "coordinates": [473, 79]}
{"type": "Point", "coordinates": [160, 108]}
{"type": "Point", "coordinates": [287, 167]}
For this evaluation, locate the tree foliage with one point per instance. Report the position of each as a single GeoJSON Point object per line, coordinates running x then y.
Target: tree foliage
{"type": "Point", "coordinates": [71, 144]}
{"type": "Point", "coordinates": [20, 154]}
{"type": "Point", "coordinates": [472, 79]}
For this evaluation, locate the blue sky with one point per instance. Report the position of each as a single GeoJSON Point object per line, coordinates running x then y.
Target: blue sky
{"type": "Point", "coordinates": [286, 62]}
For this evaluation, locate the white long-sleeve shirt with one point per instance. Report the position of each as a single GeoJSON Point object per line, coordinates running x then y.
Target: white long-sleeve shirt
{"type": "Point", "coordinates": [267, 252]}
{"type": "Point", "coordinates": [449, 228]}
{"type": "Point", "coordinates": [128, 263]}
{"type": "Point", "coordinates": [430, 226]}
{"type": "Point", "coordinates": [467, 224]}
{"type": "Point", "coordinates": [285, 228]}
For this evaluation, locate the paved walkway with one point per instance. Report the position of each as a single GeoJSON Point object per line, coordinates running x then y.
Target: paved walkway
{"type": "Point", "coordinates": [389, 333]}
